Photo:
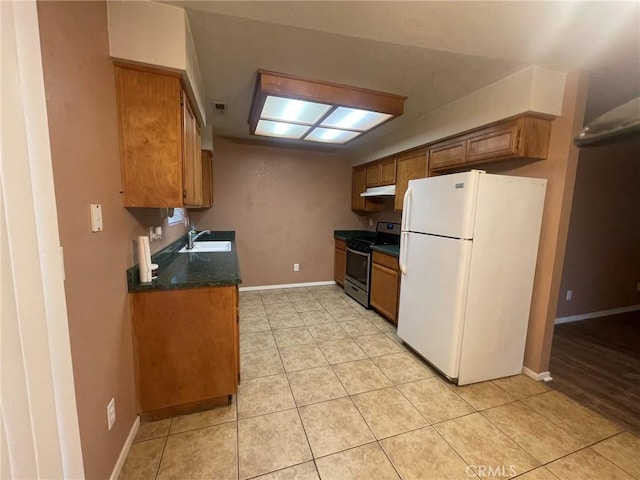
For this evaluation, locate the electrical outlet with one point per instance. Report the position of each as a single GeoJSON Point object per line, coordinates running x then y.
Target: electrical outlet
{"type": "Point", "coordinates": [296, 267]}
{"type": "Point", "coordinates": [155, 233]}
{"type": "Point", "coordinates": [569, 295]}
{"type": "Point", "coordinates": [371, 222]}
{"type": "Point", "coordinates": [111, 413]}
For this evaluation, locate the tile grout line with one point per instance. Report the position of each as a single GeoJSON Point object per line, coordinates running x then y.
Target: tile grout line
{"type": "Point", "coordinates": [451, 446]}
{"type": "Point", "coordinates": [576, 451]}
{"type": "Point", "coordinates": [277, 470]}
{"type": "Point", "coordinates": [555, 424]}
{"type": "Point", "coordinates": [526, 450]}
{"type": "Point", "coordinates": [286, 376]}
{"type": "Point", "coordinates": [237, 439]}
{"type": "Point", "coordinates": [593, 412]}
{"type": "Point", "coordinates": [393, 465]}
{"type": "Point", "coordinates": [378, 441]}
{"type": "Point", "coordinates": [347, 396]}
{"type": "Point", "coordinates": [350, 396]}
{"type": "Point", "coordinates": [346, 449]}
{"type": "Point", "coordinates": [392, 384]}
{"type": "Point", "coordinates": [164, 446]}
{"type": "Point", "coordinates": [313, 457]}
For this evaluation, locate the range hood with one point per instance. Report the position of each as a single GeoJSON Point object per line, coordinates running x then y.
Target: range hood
{"type": "Point", "coordinates": [385, 191]}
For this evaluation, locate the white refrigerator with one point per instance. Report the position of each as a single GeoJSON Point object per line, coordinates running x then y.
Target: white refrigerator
{"type": "Point", "coordinates": [468, 253]}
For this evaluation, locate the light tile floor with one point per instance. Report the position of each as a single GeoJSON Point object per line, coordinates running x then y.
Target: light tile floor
{"type": "Point", "coordinates": [329, 391]}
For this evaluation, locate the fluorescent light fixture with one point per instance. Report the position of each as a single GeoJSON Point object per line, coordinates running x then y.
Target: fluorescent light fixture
{"type": "Point", "coordinates": [331, 135]}
{"type": "Point", "coordinates": [354, 119]}
{"type": "Point", "coordinates": [290, 110]}
{"type": "Point", "coordinates": [280, 129]}
{"type": "Point", "coordinates": [295, 108]}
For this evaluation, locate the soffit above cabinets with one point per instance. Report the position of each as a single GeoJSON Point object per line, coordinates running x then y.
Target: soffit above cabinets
{"type": "Point", "coordinates": [435, 53]}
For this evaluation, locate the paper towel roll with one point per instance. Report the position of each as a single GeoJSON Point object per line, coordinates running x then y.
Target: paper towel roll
{"type": "Point", "coordinates": [147, 259]}
{"type": "Point", "coordinates": [144, 259]}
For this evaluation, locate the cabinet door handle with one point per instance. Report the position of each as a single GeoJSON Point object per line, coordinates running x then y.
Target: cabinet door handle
{"type": "Point", "coordinates": [518, 135]}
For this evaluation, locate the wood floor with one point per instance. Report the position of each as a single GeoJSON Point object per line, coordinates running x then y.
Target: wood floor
{"type": "Point", "coordinates": [597, 362]}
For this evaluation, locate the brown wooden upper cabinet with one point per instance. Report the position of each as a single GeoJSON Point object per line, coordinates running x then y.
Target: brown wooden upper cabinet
{"type": "Point", "coordinates": [192, 165]}
{"type": "Point", "coordinates": [381, 172]}
{"type": "Point", "coordinates": [522, 137]}
{"type": "Point", "coordinates": [447, 154]}
{"type": "Point", "coordinates": [159, 140]}
{"type": "Point", "coordinates": [207, 178]}
{"type": "Point", "coordinates": [358, 186]}
{"type": "Point", "coordinates": [410, 166]}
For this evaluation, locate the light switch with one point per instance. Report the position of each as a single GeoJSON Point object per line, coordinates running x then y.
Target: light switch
{"type": "Point", "coordinates": [96, 217]}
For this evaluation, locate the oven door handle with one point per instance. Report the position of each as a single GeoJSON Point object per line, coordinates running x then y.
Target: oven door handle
{"type": "Point", "coordinates": [362, 254]}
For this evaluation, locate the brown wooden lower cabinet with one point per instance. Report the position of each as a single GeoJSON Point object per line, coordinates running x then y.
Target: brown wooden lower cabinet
{"type": "Point", "coordinates": [339, 261]}
{"type": "Point", "coordinates": [186, 348]}
{"type": "Point", "coordinates": [385, 285]}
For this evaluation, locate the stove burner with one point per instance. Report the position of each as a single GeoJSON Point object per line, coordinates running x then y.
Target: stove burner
{"type": "Point", "coordinates": [363, 244]}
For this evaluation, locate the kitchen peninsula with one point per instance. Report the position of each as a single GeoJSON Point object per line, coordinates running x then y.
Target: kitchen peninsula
{"type": "Point", "coordinates": [185, 330]}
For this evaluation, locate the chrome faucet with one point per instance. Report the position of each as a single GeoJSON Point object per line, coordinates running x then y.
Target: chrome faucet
{"type": "Point", "coordinates": [192, 236]}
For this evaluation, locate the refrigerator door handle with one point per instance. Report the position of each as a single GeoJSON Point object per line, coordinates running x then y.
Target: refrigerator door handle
{"type": "Point", "coordinates": [406, 203]}
{"type": "Point", "coordinates": [403, 250]}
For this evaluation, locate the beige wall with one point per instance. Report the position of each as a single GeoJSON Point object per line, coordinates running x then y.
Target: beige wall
{"type": "Point", "coordinates": [284, 205]}
{"type": "Point", "coordinates": [80, 91]}
{"type": "Point", "coordinates": [602, 263]}
{"type": "Point", "coordinates": [559, 169]}
{"type": "Point", "coordinates": [533, 89]}
{"type": "Point", "coordinates": [152, 33]}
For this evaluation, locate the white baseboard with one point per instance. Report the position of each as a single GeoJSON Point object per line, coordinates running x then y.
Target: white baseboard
{"type": "Point", "coordinates": [603, 313]}
{"type": "Point", "coordinates": [125, 450]}
{"type": "Point", "coordinates": [287, 285]}
{"type": "Point", "coordinates": [542, 376]}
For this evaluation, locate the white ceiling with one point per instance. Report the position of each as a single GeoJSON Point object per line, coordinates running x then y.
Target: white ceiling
{"type": "Point", "coordinates": [432, 52]}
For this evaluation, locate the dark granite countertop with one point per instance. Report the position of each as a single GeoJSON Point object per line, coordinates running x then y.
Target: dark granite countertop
{"type": "Point", "coordinates": [393, 250]}
{"type": "Point", "coordinates": [190, 270]}
{"type": "Point", "coordinates": [346, 234]}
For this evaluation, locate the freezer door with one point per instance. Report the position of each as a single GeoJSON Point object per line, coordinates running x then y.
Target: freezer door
{"type": "Point", "coordinates": [443, 205]}
{"type": "Point", "coordinates": [433, 293]}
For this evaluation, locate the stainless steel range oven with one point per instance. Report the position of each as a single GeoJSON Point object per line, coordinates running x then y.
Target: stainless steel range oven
{"type": "Point", "coordinates": [357, 279]}
{"type": "Point", "coordinates": [358, 272]}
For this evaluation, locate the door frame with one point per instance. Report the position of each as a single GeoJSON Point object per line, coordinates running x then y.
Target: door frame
{"type": "Point", "coordinates": [39, 432]}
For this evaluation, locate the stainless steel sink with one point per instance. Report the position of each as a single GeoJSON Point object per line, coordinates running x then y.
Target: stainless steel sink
{"type": "Point", "coordinates": [208, 247]}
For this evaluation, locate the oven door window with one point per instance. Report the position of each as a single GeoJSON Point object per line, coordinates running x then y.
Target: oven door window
{"type": "Point", "coordinates": [358, 267]}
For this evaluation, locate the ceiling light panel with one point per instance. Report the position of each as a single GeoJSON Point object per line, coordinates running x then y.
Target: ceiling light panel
{"type": "Point", "coordinates": [302, 109]}
{"type": "Point", "coordinates": [354, 119]}
{"type": "Point", "coordinates": [280, 129]}
{"type": "Point", "coordinates": [289, 110]}
{"type": "Point", "coordinates": [331, 135]}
